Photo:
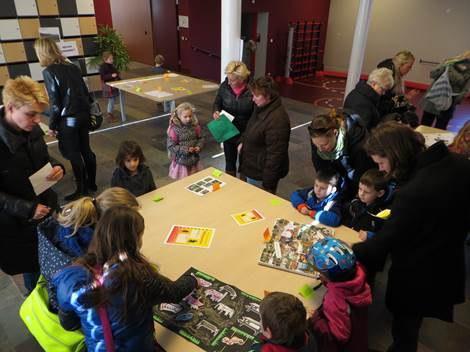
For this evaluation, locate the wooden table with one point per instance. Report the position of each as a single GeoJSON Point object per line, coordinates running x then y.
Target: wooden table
{"type": "Point", "coordinates": [235, 250]}
{"type": "Point", "coordinates": [432, 135]}
{"type": "Point", "coordinates": [160, 88]}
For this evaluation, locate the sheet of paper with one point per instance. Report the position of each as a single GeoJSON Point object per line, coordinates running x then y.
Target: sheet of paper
{"type": "Point", "coordinates": [158, 94]}
{"type": "Point", "coordinates": [192, 236]}
{"type": "Point", "coordinates": [204, 186]}
{"type": "Point", "coordinates": [210, 86]}
{"type": "Point", "coordinates": [247, 217]}
{"type": "Point", "coordinates": [431, 138]}
{"type": "Point", "coordinates": [44, 127]}
{"type": "Point", "coordinates": [38, 179]}
{"type": "Point", "coordinates": [68, 49]}
{"type": "Point", "coordinates": [229, 116]}
{"type": "Point", "coordinates": [173, 75]}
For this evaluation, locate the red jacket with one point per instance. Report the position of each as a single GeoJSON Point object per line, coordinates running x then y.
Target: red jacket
{"type": "Point", "coordinates": [341, 321]}
{"type": "Point", "coordinates": [307, 345]}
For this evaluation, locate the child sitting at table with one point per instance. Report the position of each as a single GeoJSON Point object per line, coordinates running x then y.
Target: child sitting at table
{"type": "Point", "coordinates": [109, 73]}
{"type": "Point", "coordinates": [283, 319]}
{"type": "Point", "coordinates": [110, 291]}
{"type": "Point", "coordinates": [131, 173]}
{"type": "Point", "coordinates": [320, 202]}
{"type": "Point", "coordinates": [373, 197]}
{"type": "Point", "coordinates": [340, 323]}
{"type": "Point", "coordinates": [184, 142]}
{"type": "Point", "coordinates": [168, 105]}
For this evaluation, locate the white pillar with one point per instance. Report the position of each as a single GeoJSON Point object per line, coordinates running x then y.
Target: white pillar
{"type": "Point", "coordinates": [231, 23]}
{"type": "Point", "coordinates": [359, 45]}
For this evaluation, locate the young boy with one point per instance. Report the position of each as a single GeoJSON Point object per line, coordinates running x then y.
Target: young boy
{"type": "Point", "coordinates": [283, 318]}
{"type": "Point", "coordinates": [373, 197]}
{"type": "Point", "coordinates": [322, 201]}
{"type": "Point", "coordinates": [340, 323]}
{"type": "Point", "coordinates": [168, 105]}
{"type": "Point", "coordinates": [109, 73]}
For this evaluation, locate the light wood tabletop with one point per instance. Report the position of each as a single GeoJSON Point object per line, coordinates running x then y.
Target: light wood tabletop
{"type": "Point", "coordinates": [235, 250]}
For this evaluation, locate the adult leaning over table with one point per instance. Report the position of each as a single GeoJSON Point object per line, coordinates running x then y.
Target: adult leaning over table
{"type": "Point", "coordinates": [426, 231]}
{"type": "Point", "coordinates": [264, 149]}
{"type": "Point", "coordinates": [234, 97]}
{"type": "Point", "coordinates": [22, 153]}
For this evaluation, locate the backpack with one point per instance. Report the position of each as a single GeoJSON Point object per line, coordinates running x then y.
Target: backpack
{"type": "Point", "coordinates": [440, 94]}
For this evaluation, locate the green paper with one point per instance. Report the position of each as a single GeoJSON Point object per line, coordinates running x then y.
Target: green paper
{"type": "Point", "coordinates": [157, 198]}
{"type": "Point", "coordinates": [222, 129]}
{"type": "Point", "coordinates": [306, 291]}
{"type": "Point", "coordinates": [275, 201]}
{"type": "Point", "coordinates": [216, 173]}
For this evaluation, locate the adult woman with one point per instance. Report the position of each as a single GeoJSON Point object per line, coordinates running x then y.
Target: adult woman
{"type": "Point", "coordinates": [264, 155]}
{"type": "Point", "coordinates": [459, 79]}
{"type": "Point", "coordinates": [365, 97]}
{"type": "Point", "coordinates": [337, 142]}
{"type": "Point", "coordinates": [234, 97]}
{"type": "Point", "coordinates": [426, 232]}
{"type": "Point", "coordinates": [22, 153]}
{"type": "Point", "coordinates": [69, 114]}
{"type": "Point", "coordinates": [400, 65]}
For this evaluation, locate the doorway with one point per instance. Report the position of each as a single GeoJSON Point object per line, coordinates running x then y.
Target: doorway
{"type": "Point", "coordinates": [254, 33]}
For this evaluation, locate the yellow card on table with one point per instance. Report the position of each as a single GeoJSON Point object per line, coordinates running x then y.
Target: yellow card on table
{"type": "Point", "coordinates": [216, 173]}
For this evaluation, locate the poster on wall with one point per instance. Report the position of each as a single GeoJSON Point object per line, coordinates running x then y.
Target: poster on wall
{"type": "Point", "coordinates": [68, 49]}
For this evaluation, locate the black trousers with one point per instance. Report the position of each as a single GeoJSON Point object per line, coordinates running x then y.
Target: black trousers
{"type": "Point", "coordinates": [405, 332]}
{"type": "Point", "coordinates": [231, 155]}
{"type": "Point", "coordinates": [74, 145]}
{"type": "Point", "coordinates": [441, 120]}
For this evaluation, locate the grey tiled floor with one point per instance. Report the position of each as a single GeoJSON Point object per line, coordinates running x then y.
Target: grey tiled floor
{"type": "Point", "coordinates": [435, 336]}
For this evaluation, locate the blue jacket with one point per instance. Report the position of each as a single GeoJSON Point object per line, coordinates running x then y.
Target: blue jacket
{"type": "Point", "coordinates": [326, 211]}
{"type": "Point", "coordinates": [137, 333]}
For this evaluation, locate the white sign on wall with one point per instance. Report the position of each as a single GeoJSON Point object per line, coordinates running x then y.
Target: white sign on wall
{"type": "Point", "coordinates": [183, 21]}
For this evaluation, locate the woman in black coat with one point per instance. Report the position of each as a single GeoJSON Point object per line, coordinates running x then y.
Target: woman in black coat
{"type": "Point", "coordinates": [22, 153]}
{"type": "Point", "coordinates": [426, 231]}
{"type": "Point", "coordinates": [234, 97]}
{"type": "Point", "coordinates": [69, 114]}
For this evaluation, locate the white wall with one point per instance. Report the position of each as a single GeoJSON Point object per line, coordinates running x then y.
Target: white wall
{"type": "Point", "coordinates": [431, 29]}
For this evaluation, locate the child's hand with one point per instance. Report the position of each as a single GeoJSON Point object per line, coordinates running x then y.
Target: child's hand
{"type": "Point", "coordinates": [114, 75]}
{"type": "Point", "coordinates": [304, 211]}
{"type": "Point", "coordinates": [196, 149]}
{"type": "Point", "coordinates": [191, 149]}
{"type": "Point", "coordinates": [362, 235]}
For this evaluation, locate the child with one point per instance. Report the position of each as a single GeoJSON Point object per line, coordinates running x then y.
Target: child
{"type": "Point", "coordinates": [283, 319]}
{"type": "Point", "coordinates": [109, 73]}
{"type": "Point", "coordinates": [184, 142]}
{"type": "Point", "coordinates": [168, 105]}
{"type": "Point", "coordinates": [68, 236]}
{"type": "Point", "coordinates": [340, 323]}
{"type": "Point", "coordinates": [461, 143]}
{"type": "Point", "coordinates": [114, 275]}
{"type": "Point", "coordinates": [322, 201]}
{"type": "Point", "coordinates": [131, 173]}
{"type": "Point", "coordinates": [373, 196]}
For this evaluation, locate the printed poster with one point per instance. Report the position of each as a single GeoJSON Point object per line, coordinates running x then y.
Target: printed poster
{"type": "Point", "coordinates": [191, 236]}
{"type": "Point", "coordinates": [247, 217]}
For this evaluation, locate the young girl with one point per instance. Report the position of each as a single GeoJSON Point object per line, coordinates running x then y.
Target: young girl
{"type": "Point", "coordinates": [131, 172]}
{"type": "Point", "coordinates": [109, 73]}
{"type": "Point", "coordinates": [68, 236]}
{"type": "Point", "coordinates": [184, 142]}
{"type": "Point", "coordinates": [340, 323]}
{"type": "Point", "coordinates": [116, 276]}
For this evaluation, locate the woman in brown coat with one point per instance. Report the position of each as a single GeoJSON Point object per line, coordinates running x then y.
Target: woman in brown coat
{"type": "Point", "coordinates": [265, 143]}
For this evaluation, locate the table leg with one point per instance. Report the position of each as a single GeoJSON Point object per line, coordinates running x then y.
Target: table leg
{"type": "Point", "coordinates": [121, 105]}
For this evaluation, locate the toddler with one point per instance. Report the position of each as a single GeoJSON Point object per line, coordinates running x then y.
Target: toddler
{"type": "Point", "coordinates": [322, 201]}
{"type": "Point", "coordinates": [340, 323]}
{"type": "Point", "coordinates": [283, 319]}
{"type": "Point", "coordinates": [184, 142]}
{"type": "Point", "coordinates": [109, 73]}
{"type": "Point", "coordinates": [131, 173]}
{"type": "Point", "coordinates": [168, 105]}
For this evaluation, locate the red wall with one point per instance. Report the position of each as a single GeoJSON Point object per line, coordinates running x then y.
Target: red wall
{"type": "Point", "coordinates": [103, 12]}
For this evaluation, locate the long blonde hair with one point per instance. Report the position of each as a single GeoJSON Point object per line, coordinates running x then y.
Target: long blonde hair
{"type": "Point", "coordinates": [48, 52]}
{"type": "Point", "coordinates": [79, 213]}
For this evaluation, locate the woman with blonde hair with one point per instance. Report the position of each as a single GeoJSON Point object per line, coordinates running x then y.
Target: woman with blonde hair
{"type": "Point", "coordinates": [69, 114]}
{"type": "Point", "coordinates": [458, 71]}
{"type": "Point", "coordinates": [68, 235]}
{"type": "Point", "coordinates": [234, 97]}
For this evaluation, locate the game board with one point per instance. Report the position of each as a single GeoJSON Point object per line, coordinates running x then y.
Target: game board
{"type": "Point", "coordinates": [216, 317]}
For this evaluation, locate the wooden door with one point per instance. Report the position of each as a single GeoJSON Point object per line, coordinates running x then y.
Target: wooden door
{"type": "Point", "coordinates": [165, 32]}
{"type": "Point", "coordinates": [132, 19]}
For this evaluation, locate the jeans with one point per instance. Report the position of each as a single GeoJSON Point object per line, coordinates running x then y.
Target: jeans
{"type": "Point", "coordinates": [256, 183]}
{"type": "Point", "coordinates": [110, 108]}
{"type": "Point", "coordinates": [30, 280]}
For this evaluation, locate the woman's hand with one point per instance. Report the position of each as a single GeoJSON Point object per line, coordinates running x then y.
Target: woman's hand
{"type": "Point", "coordinates": [41, 211]}
{"type": "Point", "coordinates": [56, 174]}
{"type": "Point", "coordinates": [362, 235]}
{"type": "Point", "coordinates": [52, 133]}
{"type": "Point", "coordinates": [411, 94]}
{"type": "Point", "coordinates": [216, 115]}
{"type": "Point", "coordinates": [239, 148]}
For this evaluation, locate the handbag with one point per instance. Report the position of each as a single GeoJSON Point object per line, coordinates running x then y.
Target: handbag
{"type": "Point", "coordinates": [440, 94]}
{"type": "Point", "coordinates": [96, 115]}
{"type": "Point", "coordinates": [45, 325]}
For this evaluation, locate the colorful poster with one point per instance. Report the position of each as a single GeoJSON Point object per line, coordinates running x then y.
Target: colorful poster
{"type": "Point", "coordinates": [216, 317]}
{"type": "Point", "coordinates": [247, 217]}
{"type": "Point", "coordinates": [191, 236]}
{"type": "Point", "coordinates": [205, 185]}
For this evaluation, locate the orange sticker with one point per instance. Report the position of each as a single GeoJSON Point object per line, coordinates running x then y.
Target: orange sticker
{"type": "Point", "coordinates": [267, 235]}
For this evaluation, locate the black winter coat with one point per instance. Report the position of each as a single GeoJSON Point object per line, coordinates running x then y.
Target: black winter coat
{"type": "Point", "coordinates": [138, 184]}
{"type": "Point", "coordinates": [364, 101]}
{"type": "Point", "coordinates": [386, 104]}
{"type": "Point", "coordinates": [265, 152]}
{"type": "Point", "coordinates": [241, 107]}
{"type": "Point", "coordinates": [68, 94]}
{"type": "Point", "coordinates": [425, 236]}
{"type": "Point", "coordinates": [21, 155]}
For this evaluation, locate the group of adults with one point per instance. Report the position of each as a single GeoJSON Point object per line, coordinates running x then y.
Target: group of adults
{"type": "Point", "coordinates": [424, 235]}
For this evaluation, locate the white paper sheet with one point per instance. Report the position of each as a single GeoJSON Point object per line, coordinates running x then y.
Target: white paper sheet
{"type": "Point", "coordinates": [38, 179]}
{"type": "Point", "coordinates": [431, 138]}
{"type": "Point", "coordinates": [210, 86]}
{"type": "Point", "coordinates": [158, 94]}
{"type": "Point", "coordinates": [229, 116]}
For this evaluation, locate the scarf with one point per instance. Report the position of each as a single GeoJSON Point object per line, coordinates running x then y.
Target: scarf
{"type": "Point", "coordinates": [338, 151]}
